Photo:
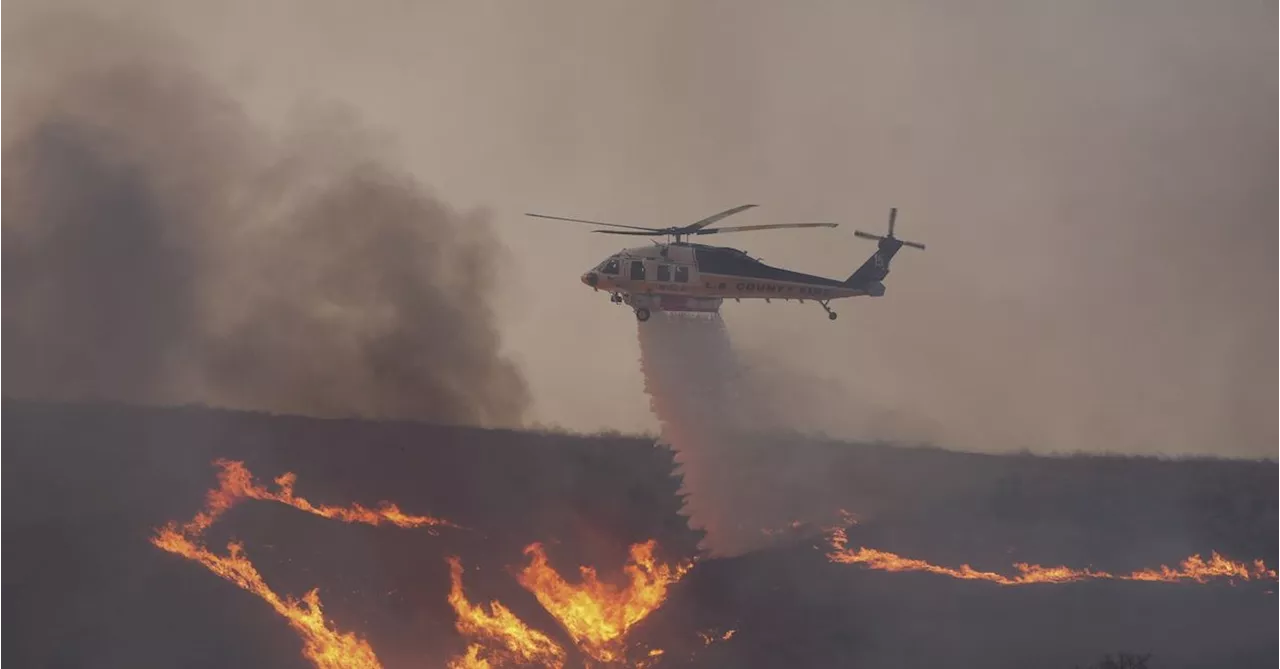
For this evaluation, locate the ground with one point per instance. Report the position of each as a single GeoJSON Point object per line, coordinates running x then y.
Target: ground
{"type": "Point", "coordinates": [86, 486]}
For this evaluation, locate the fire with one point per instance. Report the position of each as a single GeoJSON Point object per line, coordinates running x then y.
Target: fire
{"type": "Point", "coordinates": [471, 660]}
{"type": "Point", "coordinates": [497, 628]}
{"type": "Point", "coordinates": [236, 483]}
{"type": "Point", "coordinates": [598, 615]}
{"type": "Point", "coordinates": [1193, 568]}
{"type": "Point", "coordinates": [1196, 569]}
{"type": "Point", "coordinates": [708, 639]}
{"type": "Point", "coordinates": [325, 646]}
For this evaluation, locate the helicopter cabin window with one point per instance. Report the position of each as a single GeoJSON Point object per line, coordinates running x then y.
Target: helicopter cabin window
{"type": "Point", "coordinates": [610, 266]}
{"type": "Point", "coordinates": [682, 273]}
{"type": "Point", "coordinates": [637, 270]}
{"type": "Point", "coordinates": [664, 272]}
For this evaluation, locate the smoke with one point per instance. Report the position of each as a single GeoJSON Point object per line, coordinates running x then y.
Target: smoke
{"type": "Point", "coordinates": [1095, 186]}
{"type": "Point", "coordinates": [160, 247]}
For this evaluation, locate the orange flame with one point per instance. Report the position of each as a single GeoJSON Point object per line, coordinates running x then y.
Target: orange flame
{"type": "Point", "coordinates": [236, 483]}
{"type": "Point", "coordinates": [1193, 568]}
{"type": "Point", "coordinates": [471, 660]}
{"type": "Point", "coordinates": [501, 636]}
{"type": "Point", "coordinates": [598, 615]}
{"type": "Point", "coordinates": [325, 646]}
{"type": "Point", "coordinates": [1196, 569]}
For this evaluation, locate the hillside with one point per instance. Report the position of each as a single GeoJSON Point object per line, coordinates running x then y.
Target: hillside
{"type": "Point", "coordinates": [86, 486]}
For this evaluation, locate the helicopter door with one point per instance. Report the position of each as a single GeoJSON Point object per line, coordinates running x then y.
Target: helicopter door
{"type": "Point", "coordinates": [682, 274]}
{"type": "Point", "coordinates": [637, 270]}
{"type": "Point", "coordinates": [664, 273]}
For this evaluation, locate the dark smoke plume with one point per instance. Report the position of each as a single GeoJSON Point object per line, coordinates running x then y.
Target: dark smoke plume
{"type": "Point", "coordinates": [159, 247]}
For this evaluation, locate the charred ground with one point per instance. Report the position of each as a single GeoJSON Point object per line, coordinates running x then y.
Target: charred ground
{"type": "Point", "coordinates": [87, 484]}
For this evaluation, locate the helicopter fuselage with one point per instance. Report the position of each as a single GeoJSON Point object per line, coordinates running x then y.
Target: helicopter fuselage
{"type": "Point", "coordinates": [684, 276]}
{"type": "Point", "coordinates": [692, 277]}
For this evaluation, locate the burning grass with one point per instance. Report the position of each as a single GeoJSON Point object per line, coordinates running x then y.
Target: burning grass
{"type": "Point", "coordinates": [1194, 568]}
{"type": "Point", "coordinates": [596, 615]}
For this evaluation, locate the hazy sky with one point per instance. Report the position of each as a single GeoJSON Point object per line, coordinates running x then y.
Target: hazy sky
{"type": "Point", "coordinates": [1096, 184]}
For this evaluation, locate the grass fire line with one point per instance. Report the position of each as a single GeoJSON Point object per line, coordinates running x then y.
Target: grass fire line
{"type": "Point", "coordinates": [595, 615]}
{"type": "Point", "coordinates": [1194, 568]}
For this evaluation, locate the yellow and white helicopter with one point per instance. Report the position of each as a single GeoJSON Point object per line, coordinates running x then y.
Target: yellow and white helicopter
{"type": "Point", "coordinates": [682, 276]}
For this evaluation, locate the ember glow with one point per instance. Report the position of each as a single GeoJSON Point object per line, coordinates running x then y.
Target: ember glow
{"type": "Point", "coordinates": [597, 615]}
{"type": "Point", "coordinates": [708, 638]}
{"type": "Point", "coordinates": [497, 635]}
{"type": "Point", "coordinates": [1193, 568]}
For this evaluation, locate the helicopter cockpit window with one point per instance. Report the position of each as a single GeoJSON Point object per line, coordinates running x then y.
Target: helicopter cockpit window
{"type": "Point", "coordinates": [637, 270]}
{"type": "Point", "coordinates": [664, 272]}
{"type": "Point", "coordinates": [610, 266]}
{"type": "Point", "coordinates": [682, 273]}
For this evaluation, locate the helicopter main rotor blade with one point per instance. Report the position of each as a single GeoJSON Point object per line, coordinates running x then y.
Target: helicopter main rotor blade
{"type": "Point", "coordinates": [712, 219]}
{"type": "Point", "coordinates": [773, 226]}
{"type": "Point", "coordinates": [625, 232]}
{"type": "Point", "coordinates": [583, 220]}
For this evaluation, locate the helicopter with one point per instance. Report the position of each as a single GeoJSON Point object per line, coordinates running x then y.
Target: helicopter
{"type": "Point", "coordinates": [682, 276]}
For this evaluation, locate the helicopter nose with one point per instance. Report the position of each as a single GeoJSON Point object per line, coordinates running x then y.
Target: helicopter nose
{"type": "Point", "coordinates": [590, 279]}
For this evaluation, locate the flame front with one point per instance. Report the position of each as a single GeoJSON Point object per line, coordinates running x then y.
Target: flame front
{"type": "Point", "coordinates": [236, 483]}
{"type": "Point", "coordinates": [499, 635]}
{"type": "Point", "coordinates": [1193, 568]}
{"type": "Point", "coordinates": [598, 615]}
{"type": "Point", "coordinates": [325, 646]}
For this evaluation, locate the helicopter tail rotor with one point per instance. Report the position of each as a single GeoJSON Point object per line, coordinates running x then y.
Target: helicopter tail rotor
{"type": "Point", "coordinates": [893, 217]}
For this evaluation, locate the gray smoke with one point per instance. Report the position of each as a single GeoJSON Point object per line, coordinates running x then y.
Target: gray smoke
{"type": "Point", "coordinates": [1095, 183]}
{"type": "Point", "coordinates": [160, 247]}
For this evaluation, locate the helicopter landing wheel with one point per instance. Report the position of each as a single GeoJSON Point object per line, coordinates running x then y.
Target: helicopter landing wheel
{"type": "Point", "coordinates": [830, 314]}
{"type": "Point", "coordinates": [642, 314]}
